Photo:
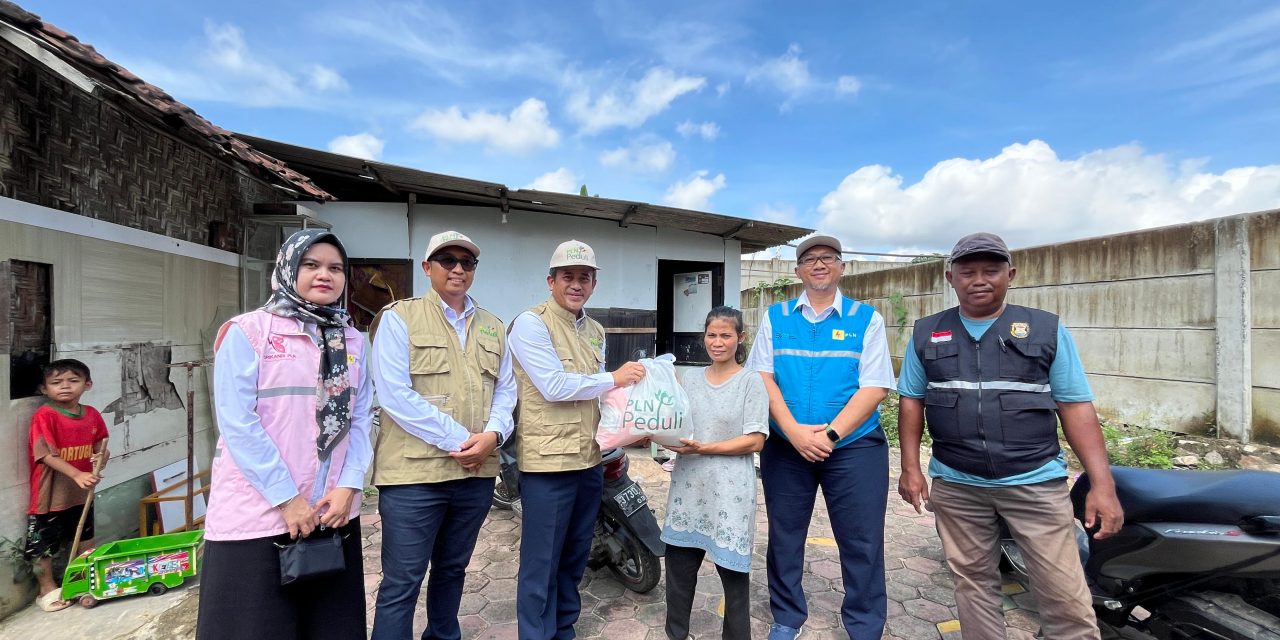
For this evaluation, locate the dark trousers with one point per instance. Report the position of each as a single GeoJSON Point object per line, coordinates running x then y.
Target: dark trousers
{"type": "Point", "coordinates": [430, 524]}
{"type": "Point", "coordinates": [682, 579]}
{"type": "Point", "coordinates": [855, 483]}
{"type": "Point", "coordinates": [558, 523]}
{"type": "Point", "coordinates": [241, 597]}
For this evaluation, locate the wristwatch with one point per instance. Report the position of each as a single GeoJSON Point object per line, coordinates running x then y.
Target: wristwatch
{"type": "Point", "coordinates": [831, 433]}
{"type": "Point", "coordinates": [499, 434]}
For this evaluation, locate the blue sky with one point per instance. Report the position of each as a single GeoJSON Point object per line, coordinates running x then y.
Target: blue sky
{"type": "Point", "coordinates": [897, 126]}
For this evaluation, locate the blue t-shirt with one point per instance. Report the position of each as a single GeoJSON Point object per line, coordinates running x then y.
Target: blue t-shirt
{"type": "Point", "coordinates": [1066, 377]}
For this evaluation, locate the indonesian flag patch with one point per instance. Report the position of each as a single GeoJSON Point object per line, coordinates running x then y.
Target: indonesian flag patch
{"type": "Point", "coordinates": [940, 336]}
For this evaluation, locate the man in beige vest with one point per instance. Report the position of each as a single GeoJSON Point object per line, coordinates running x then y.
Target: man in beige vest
{"type": "Point", "coordinates": [444, 380]}
{"type": "Point", "coordinates": [559, 362]}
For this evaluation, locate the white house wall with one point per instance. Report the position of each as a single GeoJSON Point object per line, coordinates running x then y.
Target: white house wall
{"type": "Point", "coordinates": [514, 255]}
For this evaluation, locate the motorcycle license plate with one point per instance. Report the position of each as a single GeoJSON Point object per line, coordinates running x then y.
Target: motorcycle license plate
{"type": "Point", "coordinates": [631, 499]}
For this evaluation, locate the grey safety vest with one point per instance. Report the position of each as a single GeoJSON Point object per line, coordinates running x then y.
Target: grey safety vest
{"type": "Point", "coordinates": [988, 403]}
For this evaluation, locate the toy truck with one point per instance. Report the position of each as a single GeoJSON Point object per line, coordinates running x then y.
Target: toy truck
{"type": "Point", "coordinates": [153, 564]}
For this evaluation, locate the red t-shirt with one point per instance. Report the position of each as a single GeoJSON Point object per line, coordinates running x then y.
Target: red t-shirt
{"type": "Point", "coordinates": [73, 439]}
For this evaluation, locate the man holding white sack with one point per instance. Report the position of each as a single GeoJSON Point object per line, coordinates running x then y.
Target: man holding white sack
{"type": "Point", "coordinates": [825, 363]}
{"type": "Point", "coordinates": [559, 362]}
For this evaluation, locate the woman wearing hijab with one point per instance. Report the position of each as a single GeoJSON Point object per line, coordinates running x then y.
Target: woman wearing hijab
{"type": "Point", "coordinates": [293, 405]}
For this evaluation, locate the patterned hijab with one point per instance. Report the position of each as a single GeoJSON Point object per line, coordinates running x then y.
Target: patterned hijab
{"type": "Point", "coordinates": [333, 406]}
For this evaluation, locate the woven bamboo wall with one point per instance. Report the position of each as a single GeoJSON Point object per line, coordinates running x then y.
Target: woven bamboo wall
{"type": "Point", "coordinates": [85, 153]}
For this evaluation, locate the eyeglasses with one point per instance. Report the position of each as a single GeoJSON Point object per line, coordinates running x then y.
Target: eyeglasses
{"type": "Point", "coordinates": [449, 262]}
{"type": "Point", "coordinates": [826, 259]}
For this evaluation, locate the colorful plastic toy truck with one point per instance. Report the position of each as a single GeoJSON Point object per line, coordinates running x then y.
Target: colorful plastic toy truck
{"type": "Point", "coordinates": [152, 564]}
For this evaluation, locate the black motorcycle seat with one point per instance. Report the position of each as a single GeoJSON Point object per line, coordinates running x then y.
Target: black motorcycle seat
{"type": "Point", "coordinates": [1157, 495]}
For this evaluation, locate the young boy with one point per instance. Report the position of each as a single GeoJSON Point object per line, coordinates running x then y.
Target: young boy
{"type": "Point", "coordinates": [66, 436]}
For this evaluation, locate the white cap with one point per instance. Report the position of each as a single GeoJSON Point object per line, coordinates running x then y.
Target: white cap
{"type": "Point", "coordinates": [573, 253]}
{"type": "Point", "coordinates": [817, 241]}
{"type": "Point", "coordinates": [450, 239]}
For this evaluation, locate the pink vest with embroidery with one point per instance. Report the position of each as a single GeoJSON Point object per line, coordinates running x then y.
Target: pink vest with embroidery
{"type": "Point", "coordinates": [288, 380]}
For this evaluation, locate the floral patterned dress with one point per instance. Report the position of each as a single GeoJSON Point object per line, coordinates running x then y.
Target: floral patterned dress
{"type": "Point", "coordinates": [712, 503]}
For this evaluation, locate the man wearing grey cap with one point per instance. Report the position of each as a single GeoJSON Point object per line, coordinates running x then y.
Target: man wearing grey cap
{"type": "Point", "coordinates": [559, 363]}
{"type": "Point", "coordinates": [992, 381]}
{"type": "Point", "coordinates": [825, 363]}
{"type": "Point", "coordinates": [445, 382]}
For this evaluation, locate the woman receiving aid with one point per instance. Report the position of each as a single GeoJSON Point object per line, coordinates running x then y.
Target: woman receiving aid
{"type": "Point", "coordinates": [293, 406]}
{"type": "Point", "coordinates": [712, 504]}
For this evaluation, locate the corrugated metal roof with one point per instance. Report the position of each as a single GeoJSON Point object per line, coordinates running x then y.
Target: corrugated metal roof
{"type": "Point", "coordinates": [365, 180]}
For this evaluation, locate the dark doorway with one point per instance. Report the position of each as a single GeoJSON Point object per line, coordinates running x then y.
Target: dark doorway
{"type": "Point", "coordinates": [31, 325]}
{"type": "Point", "coordinates": [680, 314]}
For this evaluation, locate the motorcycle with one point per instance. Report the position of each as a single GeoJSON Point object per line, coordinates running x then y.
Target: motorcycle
{"type": "Point", "coordinates": [1198, 556]}
{"type": "Point", "coordinates": [627, 537]}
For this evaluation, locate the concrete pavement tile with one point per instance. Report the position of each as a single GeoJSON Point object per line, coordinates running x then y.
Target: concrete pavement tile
{"type": "Point", "coordinates": [499, 611]}
{"type": "Point", "coordinates": [500, 589]}
{"type": "Point", "coordinates": [900, 592]}
{"type": "Point", "coordinates": [912, 627]}
{"type": "Point", "coordinates": [940, 595]}
{"type": "Point", "coordinates": [617, 609]}
{"type": "Point", "coordinates": [927, 610]}
{"type": "Point", "coordinates": [471, 604]}
{"type": "Point", "coordinates": [504, 569]}
{"type": "Point", "coordinates": [624, 630]}
{"type": "Point", "coordinates": [1022, 619]}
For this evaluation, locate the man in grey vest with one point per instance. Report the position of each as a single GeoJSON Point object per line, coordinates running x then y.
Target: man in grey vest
{"type": "Point", "coordinates": [444, 380]}
{"type": "Point", "coordinates": [992, 380]}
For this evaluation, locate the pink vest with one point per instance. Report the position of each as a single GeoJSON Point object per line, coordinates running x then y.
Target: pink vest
{"type": "Point", "coordinates": [288, 381]}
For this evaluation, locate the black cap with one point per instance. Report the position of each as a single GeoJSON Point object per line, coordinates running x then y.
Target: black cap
{"type": "Point", "coordinates": [981, 242]}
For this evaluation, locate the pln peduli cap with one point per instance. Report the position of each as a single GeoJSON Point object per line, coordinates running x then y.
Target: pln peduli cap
{"type": "Point", "coordinates": [981, 242]}
{"type": "Point", "coordinates": [450, 239]}
{"type": "Point", "coordinates": [574, 253]}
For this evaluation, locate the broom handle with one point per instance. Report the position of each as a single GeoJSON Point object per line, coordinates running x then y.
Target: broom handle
{"type": "Point", "coordinates": [84, 514]}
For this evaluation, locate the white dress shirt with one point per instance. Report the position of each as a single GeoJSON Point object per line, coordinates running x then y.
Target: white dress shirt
{"type": "Point", "coordinates": [415, 414]}
{"type": "Point", "coordinates": [241, 428]}
{"type": "Point", "coordinates": [875, 368]}
{"type": "Point", "coordinates": [530, 342]}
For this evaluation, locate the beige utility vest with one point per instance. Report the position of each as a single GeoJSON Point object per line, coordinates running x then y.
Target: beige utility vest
{"type": "Point", "coordinates": [458, 381]}
{"type": "Point", "coordinates": [560, 436]}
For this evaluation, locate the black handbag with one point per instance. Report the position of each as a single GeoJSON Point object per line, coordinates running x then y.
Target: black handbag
{"type": "Point", "coordinates": [315, 556]}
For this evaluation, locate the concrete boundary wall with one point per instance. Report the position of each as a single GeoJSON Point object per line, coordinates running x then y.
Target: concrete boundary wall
{"type": "Point", "coordinates": [1178, 327]}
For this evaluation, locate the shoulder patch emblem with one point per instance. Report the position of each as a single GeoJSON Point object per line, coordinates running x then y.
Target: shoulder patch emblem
{"type": "Point", "coordinates": [488, 331]}
{"type": "Point", "coordinates": [1019, 329]}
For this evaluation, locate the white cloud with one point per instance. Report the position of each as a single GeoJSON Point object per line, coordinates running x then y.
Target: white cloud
{"type": "Point", "coordinates": [705, 130]}
{"type": "Point", "coordinates": [525, 129]}
{"type": "Point", "coordinates": [322, 78]}
{"type": "Point", "coordinates": [361, 145]}
{"type": "Point", "coordinates": [848, 85]}
{"type": "Point", "coordinates": [787, 73]}
{"type": "Point", "coordinates": [722, 89]}
{"type": "Point", "coordinates": [561, 180]}
{"type": "Point", "coordinates": [631, 104]}
{"type": "Point", "coordinates": [227, 70]}
{"type": "Point", "coordinates": [1030, 196]}
{"type": "Point", "coordinates": [653, 156]}
{"type": "Point", "coordinates": [695, 192]}
{"type": "Point", "coordinates": [780, 212]}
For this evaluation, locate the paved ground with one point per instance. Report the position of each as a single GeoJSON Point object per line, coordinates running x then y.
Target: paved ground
{"type": "Point", "coordinates": [921, 605]}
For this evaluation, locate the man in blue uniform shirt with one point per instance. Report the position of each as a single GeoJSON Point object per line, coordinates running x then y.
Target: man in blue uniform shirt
{"type": "Point", "coordinates": [825, 363]}
{"type": "Point", "coordinates": [993, 379]}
